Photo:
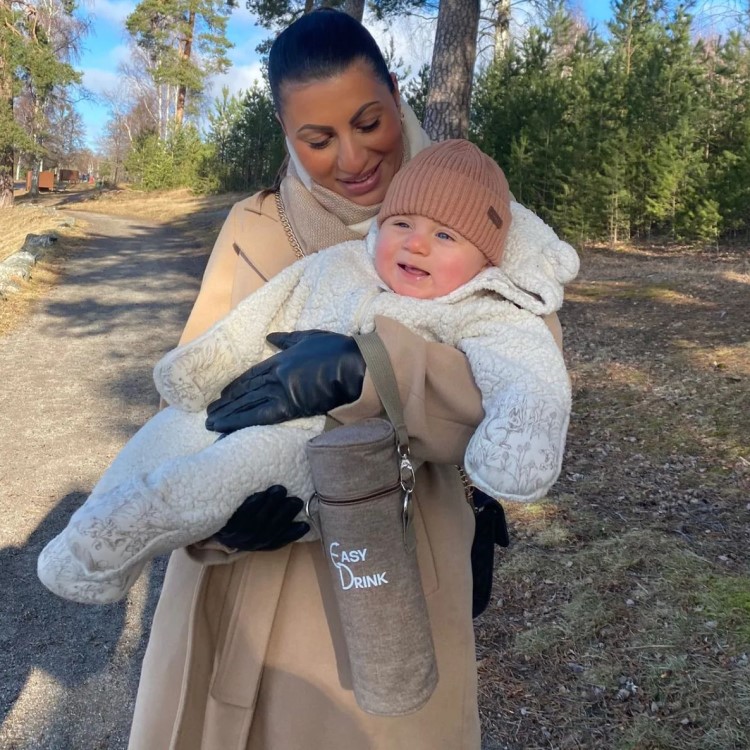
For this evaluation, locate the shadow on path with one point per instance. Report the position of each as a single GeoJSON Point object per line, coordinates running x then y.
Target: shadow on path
{"type": "Point", "coordinates": [80, 653]}
{"type": "Point", "coordinates": [77, 384]}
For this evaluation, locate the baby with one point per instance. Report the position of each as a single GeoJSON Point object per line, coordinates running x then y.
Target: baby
{"type": "Point", "coordinates": [455, 260]}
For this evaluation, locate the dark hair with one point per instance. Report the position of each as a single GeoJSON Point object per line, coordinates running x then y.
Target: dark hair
{"type": "Point", "coordinates": [319, 45]}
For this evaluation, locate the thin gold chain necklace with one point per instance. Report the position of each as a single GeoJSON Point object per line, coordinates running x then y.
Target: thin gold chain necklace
{"type": "Point", "coordinates": [293, 241]}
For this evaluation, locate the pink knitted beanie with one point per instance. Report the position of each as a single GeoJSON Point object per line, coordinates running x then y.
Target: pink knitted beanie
{"type": "Point", "coordinates": [455, 184]}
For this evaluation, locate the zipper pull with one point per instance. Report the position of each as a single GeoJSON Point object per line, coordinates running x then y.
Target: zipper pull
{"type": "Point", "coordinates": [312, 514]}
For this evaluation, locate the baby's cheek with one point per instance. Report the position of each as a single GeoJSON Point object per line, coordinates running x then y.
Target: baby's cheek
{"type": "Point", "coordinates": [382, 257]}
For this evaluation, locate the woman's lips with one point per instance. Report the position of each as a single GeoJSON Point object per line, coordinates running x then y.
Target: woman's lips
{"type": "Point", "coordinates": [363, 185]}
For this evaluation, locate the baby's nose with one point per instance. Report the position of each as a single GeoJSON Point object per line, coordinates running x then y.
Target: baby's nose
{"type": "Point", "coordinates": [416, 242]}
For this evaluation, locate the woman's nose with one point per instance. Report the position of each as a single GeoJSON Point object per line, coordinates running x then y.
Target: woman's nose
{"type": "Point", "coordinates": [351, 157]}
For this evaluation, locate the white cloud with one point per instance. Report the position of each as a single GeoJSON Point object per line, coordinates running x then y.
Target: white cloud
{"type": "Point", "coordinates": [98, 80]}
{"type": "Point", "coordinates": [241, 17]}
{"type": "Point", "coordinates": [114, 11]}
{"type": "Point", "coordinates": [120, 53]}
{"type": "Point", "coordinates": [236, 78]}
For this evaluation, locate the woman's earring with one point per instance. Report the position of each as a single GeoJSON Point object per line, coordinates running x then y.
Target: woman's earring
{"type": "Point", "coordinates": [401, 113]}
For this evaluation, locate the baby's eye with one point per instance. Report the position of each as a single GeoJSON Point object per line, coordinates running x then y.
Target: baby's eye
{"type": "Point", "coordinates": [370, 126]}
{"type": "Point", "coordinates": [444, 236]}
{"type": "Point", "coordinates": [400, 224]}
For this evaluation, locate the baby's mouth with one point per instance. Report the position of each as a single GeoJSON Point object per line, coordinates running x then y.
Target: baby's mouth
{"type": "Point", "coordinates": [413, 270]}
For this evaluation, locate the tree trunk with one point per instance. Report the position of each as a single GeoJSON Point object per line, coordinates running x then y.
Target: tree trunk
{"type": "Point", "coordinates": [354, 8]}
{"type": "Point", "coordinates": [452, 70]}
{"type": "Point", "coordinates": [186, 50]}
{"type": "Point", "coordinates": [6, 150]}
{"type": "Point", "coordinates": [502, 27]}
{"type": "Point", "coordinates": [6, 177]}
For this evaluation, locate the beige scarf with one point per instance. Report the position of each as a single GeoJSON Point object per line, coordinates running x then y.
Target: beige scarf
{"type": "Point", "coordinates": [319, 217]}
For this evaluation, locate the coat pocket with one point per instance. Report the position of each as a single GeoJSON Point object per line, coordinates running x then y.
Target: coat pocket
{"type": "Point", "coordinates": [425, 559]}
{"type": "Point", "coordinates": [242, 654]}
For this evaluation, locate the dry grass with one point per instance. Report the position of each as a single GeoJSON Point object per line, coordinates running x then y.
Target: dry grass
{"type": "Point", "coordinates": [23, 219]}
{"type": "Point", "coordinates": [41, 218]}
{"type": "Point", "coordinates": [622, 611]}
{"type": "Point", "coordinates": [158, 205]}
{"type": "Point", "coordinates": [46, 273]}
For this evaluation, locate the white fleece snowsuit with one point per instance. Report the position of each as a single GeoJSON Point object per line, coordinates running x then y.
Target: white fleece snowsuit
{"type": "Point", "coordinates": [515, 453]}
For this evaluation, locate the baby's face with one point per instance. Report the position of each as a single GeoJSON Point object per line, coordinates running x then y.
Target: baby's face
{"type": "Point", "coordinates": [418, 257]}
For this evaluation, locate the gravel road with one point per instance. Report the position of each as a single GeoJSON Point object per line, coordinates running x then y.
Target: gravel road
{"type": "Point", "coordinates": [76, 383]}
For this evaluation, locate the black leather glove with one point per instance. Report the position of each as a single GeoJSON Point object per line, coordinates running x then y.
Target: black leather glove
{"type": "Point", "coordinates": [314, 372]}
{"type": "Point", "coordinates": [264, 521]}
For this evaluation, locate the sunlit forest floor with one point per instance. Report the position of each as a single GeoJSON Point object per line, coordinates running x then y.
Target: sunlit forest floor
{"type": "Point", "coordinates": [621, 613]}
{"type": "Point", "coordinates": [620, 616]}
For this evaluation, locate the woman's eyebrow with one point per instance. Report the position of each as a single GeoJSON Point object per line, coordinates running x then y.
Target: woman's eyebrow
{"type": "Point", "coordinates": [317, 128]}
{"type": "Point", "coordinates": [359, 112]}
{"type": "Point", "coordinates": [329, 129]}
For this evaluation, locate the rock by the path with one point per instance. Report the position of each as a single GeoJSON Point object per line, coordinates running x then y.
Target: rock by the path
{"type": "Point", "coordinates": [38, 241]}
{"type": "Point", "coordinates": [18, 265]}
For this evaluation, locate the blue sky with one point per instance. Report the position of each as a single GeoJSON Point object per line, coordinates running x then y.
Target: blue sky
{"type": "Point", "coordinates": [107, 45]}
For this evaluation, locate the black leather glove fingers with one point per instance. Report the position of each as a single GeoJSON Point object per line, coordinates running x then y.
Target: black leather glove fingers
{"type": "Point", "coordinates": [314, 372]}
{"type": "Point", "coordinates": [264, 521]}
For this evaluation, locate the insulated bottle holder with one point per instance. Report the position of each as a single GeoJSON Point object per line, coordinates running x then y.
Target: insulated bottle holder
{"type": "Point", "coordinates": [364, 484]}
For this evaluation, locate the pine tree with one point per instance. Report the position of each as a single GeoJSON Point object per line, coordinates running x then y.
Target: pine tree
{"type": "Point", "coordinates": [185, 41]}
{"type": "Point", "coordinates": [246, 141]}
{"type": "Point", "coordinates": [415, 91]}
{"type": "Point", "coordinates": [30, 61]}
{"type": "Point", "coordinates": [729, 144]}
{"type": "Point", "coordinates": [452, 70]}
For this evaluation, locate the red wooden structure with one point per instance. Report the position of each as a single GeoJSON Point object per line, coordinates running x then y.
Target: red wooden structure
{"type": "Point", "coordinates": [46, 180]}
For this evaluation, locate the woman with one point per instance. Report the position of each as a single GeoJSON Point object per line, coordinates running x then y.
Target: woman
{"type": "Point", "coordinates": [245, 650]}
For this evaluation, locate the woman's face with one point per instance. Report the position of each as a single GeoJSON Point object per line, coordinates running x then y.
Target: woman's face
{"type": "Point", "coordinates": [346, 132]}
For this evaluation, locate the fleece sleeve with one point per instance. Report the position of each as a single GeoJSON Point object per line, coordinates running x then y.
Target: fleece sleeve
{"type": "Point", "coordinates": [516, 452]}
{"type": "Point", "coordinates": [193, 375]}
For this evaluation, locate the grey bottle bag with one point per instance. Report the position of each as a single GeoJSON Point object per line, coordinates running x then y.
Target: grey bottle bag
{"type": "Point", "coordinates": [364, 480]}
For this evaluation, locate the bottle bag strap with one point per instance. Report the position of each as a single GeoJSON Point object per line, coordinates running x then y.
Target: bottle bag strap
{"type": "Point", "coordinates": [383, 377]}
{"type": "Point", "coordinates": [381, 372]}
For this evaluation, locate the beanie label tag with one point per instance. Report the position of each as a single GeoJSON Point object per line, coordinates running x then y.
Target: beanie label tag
{"type": "Point", "coordinates": [494, 217]}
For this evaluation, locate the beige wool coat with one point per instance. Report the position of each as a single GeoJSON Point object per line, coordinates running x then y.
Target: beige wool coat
{"type": "Point", "coordinates": [246, 652]}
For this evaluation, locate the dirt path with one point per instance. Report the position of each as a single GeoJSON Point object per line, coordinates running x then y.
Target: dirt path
{"type": "Point", "coordinates": [76, 383]}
